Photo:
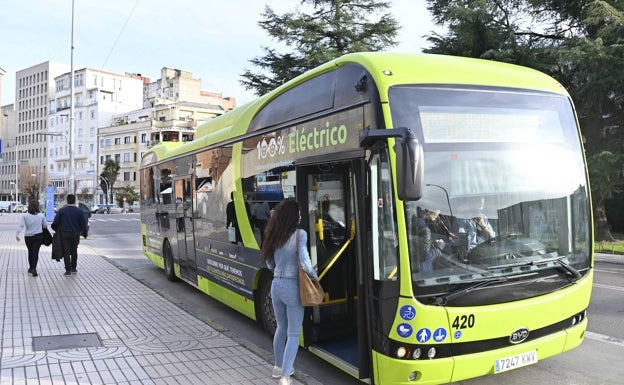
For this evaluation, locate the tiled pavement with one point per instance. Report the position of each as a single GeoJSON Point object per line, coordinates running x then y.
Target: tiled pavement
{"type": "Point", "coordinates": [104, 327]}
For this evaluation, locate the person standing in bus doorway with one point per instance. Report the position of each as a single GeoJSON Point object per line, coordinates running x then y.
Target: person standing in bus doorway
{"type": "Point", "coordinates": [71, 222]}
{"type": "Point", "coordinates": [261, 212]}
{"type": "Point", "coordinates": [283, 256]}
{"type": "Point", "coordinates": [32, 224]}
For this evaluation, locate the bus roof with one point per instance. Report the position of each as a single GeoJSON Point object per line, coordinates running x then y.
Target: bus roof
{"type": "Point", "coordinates": [387, 70]}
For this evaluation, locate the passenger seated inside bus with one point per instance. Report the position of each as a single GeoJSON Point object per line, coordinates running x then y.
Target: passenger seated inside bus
{"type": "Point", "coordinates": [428, 247]}
{"type": "Point", "coordinates": [477, 229]}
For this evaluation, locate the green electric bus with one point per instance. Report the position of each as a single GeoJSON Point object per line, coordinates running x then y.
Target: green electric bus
{"type": "Point", "coordinates": [446, 201]}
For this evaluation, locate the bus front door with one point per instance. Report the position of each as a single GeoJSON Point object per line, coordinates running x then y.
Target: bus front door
{"type": "Point", "coordinates": [327, 198]}
{"type": "Point", "coordinates": [185, 230]}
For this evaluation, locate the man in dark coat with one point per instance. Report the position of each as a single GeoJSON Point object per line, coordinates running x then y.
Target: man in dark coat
{"type": "Point", "coordinates": [71, 223]}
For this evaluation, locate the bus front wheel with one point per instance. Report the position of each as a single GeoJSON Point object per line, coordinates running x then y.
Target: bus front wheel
{"type": "Point", "coordinates": [168, 256]}
{"type": "Point", "coordinates": [267, 317]}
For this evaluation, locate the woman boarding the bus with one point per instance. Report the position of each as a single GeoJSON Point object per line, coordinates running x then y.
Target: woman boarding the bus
{"type": "Point", "coordinates": [279, 252]}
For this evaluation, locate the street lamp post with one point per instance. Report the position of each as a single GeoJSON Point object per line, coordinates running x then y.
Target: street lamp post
{"type": "Point", "coordinates": [13, 184]}
{"type": "Point", "coordinates": [72, 177]}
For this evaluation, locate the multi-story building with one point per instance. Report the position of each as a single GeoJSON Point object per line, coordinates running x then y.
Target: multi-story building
{"type": "Point", "coordinates": [23, 124]}
{"type": "Point", "coordinates": [108, 122]}
{"type": "Point", "coordinates": [8, 174]}
{"type": "Point", "coordinates": [179, 86]}
{"type": "Point", "coordinates": [98, 96]}
{"type": "Point", "coordinates": [132, 133]}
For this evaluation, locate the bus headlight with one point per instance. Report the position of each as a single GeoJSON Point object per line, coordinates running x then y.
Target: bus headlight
{"type": "Point", "coordinates": [401, 352]}
{"type": "Point", "coordinates": [417, 353]}
{"type": "Point", "coordinates": [431, 352]}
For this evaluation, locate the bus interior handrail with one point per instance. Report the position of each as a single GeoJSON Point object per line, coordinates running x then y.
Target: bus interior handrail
{"type": "Point", "coordinates": [340, 252]}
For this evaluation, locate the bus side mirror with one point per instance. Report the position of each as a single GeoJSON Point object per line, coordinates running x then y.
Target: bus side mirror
{"type": "Point", "coordinates": [409, 155]}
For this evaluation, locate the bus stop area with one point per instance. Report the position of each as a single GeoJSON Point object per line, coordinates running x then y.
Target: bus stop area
{"type": "Point", "coordinates": [101, 326]}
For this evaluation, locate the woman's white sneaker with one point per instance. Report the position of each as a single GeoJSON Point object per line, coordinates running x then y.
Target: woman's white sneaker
{"type": "Point", "coordinates": [277, 372]}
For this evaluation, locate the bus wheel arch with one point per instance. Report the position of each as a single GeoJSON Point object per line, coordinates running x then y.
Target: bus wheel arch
{"type": "Point", "coordinates": [168, 261]}
{"type": "Point", "coordinates": [264, 304]}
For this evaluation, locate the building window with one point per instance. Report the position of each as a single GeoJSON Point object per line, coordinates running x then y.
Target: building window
{"type": "Point", "coordinates": [126, 176]}
{"type": "Point", "coordinates": [126, 157]}
{"type": "Point", "coordinates": [127, 140]}
{"type": "Point", "coordinates": [117, 141]}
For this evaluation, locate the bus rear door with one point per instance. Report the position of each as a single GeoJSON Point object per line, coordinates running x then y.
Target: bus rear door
{"type": "Point", "coordinates": [184, 228]}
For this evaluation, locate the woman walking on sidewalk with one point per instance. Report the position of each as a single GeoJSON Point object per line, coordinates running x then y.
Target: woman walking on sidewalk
{"type": "Point", "coordinates": [32, 224]}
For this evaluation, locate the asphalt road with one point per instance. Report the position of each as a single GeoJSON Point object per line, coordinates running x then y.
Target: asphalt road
{"type": "Point", "coordinates": [595, 362]}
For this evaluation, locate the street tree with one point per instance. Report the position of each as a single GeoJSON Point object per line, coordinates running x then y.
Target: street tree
{"type": "Point", "coordinates": [580, 43]}
{"type": "Point", "coordinates": [110, 173]}
{"type": "Point", "coordinates": [128, 193]}
{"type": "Point", "coordinates": [316, 32]}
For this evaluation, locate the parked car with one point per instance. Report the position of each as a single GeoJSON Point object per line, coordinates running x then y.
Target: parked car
{"type": "Point", "coordinates": [85, 208]}
{"type": "Point", "coordinates": [114, 209]}
{"type": "Point", "coordinates": [109, 209]}
{"type": "Point", "coordinates": [6, 206]}
{"type": "Point", "coordinates": [19, 208]}
{"type": "Point", "coordinates": [95, 207]}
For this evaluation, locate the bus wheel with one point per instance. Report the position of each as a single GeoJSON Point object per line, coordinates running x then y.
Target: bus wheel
{"type": "Point", "coordinates": [267, 317]}
{"type": "Point", "coordinates": [168, 256]}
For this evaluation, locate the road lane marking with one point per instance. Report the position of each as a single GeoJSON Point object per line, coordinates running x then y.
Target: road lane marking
{"type": "Point", "coordinates": [604, 338]}
{"type": "Point", "coordinates": [611, 287]}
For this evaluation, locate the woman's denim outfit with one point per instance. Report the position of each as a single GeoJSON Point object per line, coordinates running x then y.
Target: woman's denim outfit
{"type": "Point", "coordinates": [285, 295]}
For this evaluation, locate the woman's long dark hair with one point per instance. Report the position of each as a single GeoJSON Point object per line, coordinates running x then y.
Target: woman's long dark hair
{"type": "Point", "coordinates": [280, 227]}
{"type": "Point", "coordinates": [33, 206]}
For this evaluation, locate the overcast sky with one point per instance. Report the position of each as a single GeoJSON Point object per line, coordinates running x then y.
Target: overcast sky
{"type": "Point", "coordinates": [212, 39]}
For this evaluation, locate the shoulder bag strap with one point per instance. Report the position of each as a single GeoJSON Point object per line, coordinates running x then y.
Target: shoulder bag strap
{"type": "Point", "coordinates": [297, 245]}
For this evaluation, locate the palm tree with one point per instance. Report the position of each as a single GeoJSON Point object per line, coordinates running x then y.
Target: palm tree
{"type": "Point", "coordinates": [110, 172]}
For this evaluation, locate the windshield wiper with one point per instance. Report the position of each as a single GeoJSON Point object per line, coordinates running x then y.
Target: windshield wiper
{"type": "Point", "coordinates": [443, 299]}
{"type": "Point", "coordinates": [566, 266]}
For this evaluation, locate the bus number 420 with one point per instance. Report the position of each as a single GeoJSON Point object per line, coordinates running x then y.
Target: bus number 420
{"type": "Point", "coordinates": [464, 321]}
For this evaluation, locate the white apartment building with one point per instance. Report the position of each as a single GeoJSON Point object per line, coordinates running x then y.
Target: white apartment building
{"type": "Point", "coordinates": [116, 116]}
{"type": "Point", "coordinates": [132, 133]}
{"type": "Point", "coordinates": [98, 96]}
{"type": "Point", "coordinates": [25, 150]}
{"type": "Point", "coordinates": [8, 174]}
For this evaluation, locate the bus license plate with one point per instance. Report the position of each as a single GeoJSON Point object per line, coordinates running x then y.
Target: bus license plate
{"type": "Point", "coordinates": [517, 361]}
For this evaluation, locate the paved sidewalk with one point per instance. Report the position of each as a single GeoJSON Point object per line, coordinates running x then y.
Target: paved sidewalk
{"type": "Point", "coordinates": [100, 326]}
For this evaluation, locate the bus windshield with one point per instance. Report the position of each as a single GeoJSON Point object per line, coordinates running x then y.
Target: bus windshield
{"type": "Point", "coordinates": [505, 207]}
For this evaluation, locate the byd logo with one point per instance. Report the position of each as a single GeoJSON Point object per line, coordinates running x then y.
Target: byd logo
{"type": "Point", "coordinates": [519, 335]}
